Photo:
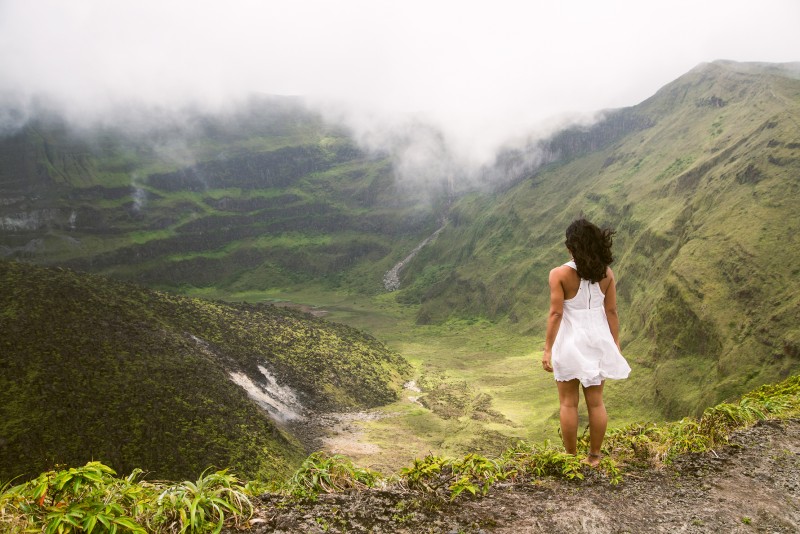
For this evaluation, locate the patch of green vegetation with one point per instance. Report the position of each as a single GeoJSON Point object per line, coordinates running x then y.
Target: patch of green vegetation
{"type": "Point", "coordinates": [676, 167]}
{"type": "Point", "coordinates": [424, 284]}
{"type": "Point", "coordinates": [290, 240]}
{"type": "Point", "coordinates": [145, 236]}
{"type": "Point", "coordinates": [473, 474]}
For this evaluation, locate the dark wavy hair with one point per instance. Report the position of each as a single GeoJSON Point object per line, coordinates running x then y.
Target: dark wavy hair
{"type": "Point", "coordinates": [591, 249]}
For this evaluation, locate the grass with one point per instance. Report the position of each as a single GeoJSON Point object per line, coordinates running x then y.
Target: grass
{"type": "Point", "coordinates": [145, 236]}
{"type": "Point", "coordinates": [321, 473]}
{"type": "Point", "coordinates": [653, 444]}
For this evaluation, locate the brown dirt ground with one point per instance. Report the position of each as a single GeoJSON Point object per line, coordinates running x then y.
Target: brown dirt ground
{"type": "Point", "coordinates": [752, 485]}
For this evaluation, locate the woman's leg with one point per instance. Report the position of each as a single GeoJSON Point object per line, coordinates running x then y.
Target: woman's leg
{"type": "Point", "coordinates": [568, 397]}
{"type": "Point", "coordinates": [598, 419]}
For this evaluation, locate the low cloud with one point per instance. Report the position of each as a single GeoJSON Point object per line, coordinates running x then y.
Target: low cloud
{"type": "Point", "coordinates": [443, 85]}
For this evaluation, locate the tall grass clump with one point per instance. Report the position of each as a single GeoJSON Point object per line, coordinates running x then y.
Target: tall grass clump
{"type": "Point", "coordinates": [201, 505]}
{"type": "Point", "coordinates": [544, 460]}
{"type": "Point", "coordinates": [321, 473]}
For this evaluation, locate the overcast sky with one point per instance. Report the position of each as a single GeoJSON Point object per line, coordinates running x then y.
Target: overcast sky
{"type": "Point", "coordinates": [484, 70]}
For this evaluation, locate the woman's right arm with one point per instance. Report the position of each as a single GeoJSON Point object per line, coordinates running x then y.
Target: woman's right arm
{"type": "Point", "coordinates": [553, 318]}
{"type": "Point", "coordinates": [610, 305]}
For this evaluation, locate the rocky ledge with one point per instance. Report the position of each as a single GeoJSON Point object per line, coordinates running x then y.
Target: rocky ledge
{"type": "Point", "coordinates": [750, 485]}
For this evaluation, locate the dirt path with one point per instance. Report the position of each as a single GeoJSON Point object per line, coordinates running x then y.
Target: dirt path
{"type": "Point", "coordinates": [343, 434]}
{"type": "Point", "coordinates": [751, 486]}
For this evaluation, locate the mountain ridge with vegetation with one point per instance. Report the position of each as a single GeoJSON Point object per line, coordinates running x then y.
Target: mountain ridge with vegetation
{"type": "Point", "coordinates": [265, 196]}
{"type": "Point", "coordinates": [703, 200]}
{"type": "Point", "coordinates": [96, 368]}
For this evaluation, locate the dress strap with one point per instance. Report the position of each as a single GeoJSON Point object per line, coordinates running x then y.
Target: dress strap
{"type": "Point", "coordinates": [571, 263]}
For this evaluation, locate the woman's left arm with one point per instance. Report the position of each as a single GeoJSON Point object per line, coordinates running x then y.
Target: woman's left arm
{"type": "Point", "coordinates": [610, 305]}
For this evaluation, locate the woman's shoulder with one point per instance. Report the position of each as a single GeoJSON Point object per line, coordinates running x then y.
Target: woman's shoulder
{"type": "Point", "coordinates": [565, 269]}
{"type": "Point", "coordinates": [563, 272]}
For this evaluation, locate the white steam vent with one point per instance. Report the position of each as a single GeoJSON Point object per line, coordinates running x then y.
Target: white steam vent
{"type": "Point", "coordinates": [280, 401]}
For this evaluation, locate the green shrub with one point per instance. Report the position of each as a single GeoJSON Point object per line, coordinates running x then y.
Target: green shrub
{"type": "Point", "coordinates": [321, 473]}
{"type": "Point", "coordinates": [473, 473]}
{"type": "Point", "coordinates": [91, 499]}
{"type": "Point", "coordinates": [76, 499]}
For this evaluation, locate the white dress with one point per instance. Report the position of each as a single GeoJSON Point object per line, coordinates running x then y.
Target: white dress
{"type": "Point", "coordinates": [584, 348]}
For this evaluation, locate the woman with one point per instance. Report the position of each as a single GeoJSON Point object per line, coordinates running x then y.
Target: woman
{"type": "Point", "coordinates": [582, 340]}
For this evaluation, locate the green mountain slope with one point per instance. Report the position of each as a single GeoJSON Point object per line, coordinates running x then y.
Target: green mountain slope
{"type": "Point", "coordinates": [701, 183]}
{"type": "Point", "coordinates": [266, 196]}
{"type": "Point", "coordinates": [98, 369]}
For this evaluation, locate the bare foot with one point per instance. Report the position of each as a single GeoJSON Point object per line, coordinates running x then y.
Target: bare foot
{"type": "Point", "coordinates": [592, 460]}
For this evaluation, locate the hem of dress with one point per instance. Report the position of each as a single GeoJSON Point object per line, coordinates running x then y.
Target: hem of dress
{"type": "Point", "coordinates": [595, 380]}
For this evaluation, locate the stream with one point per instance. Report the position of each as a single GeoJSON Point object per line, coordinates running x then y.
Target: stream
{"type": "Point", "coordinates": [391, 280]}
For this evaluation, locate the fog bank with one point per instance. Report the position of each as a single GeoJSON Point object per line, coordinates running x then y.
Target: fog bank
{"type": "Point", "coordinates": [479, 73]}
